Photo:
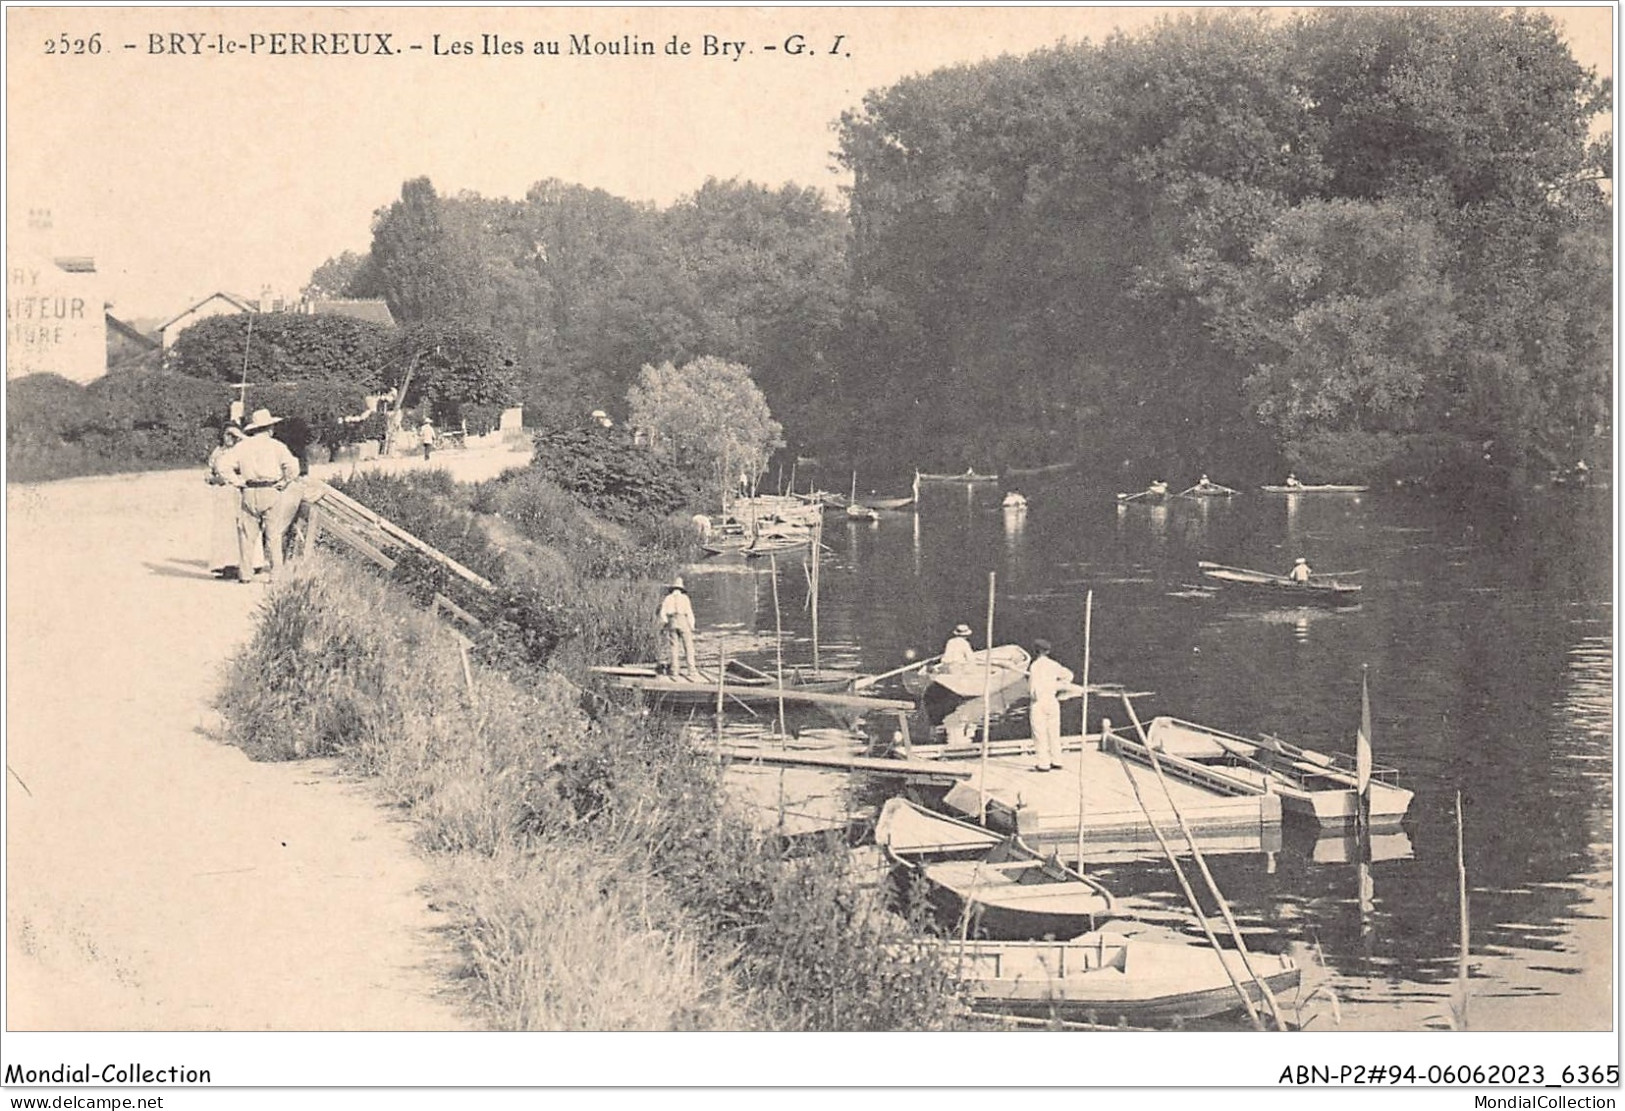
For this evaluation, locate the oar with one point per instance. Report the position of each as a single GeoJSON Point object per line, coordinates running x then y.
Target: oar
{"type": "Point", "coordinates": [1335, 574]}
{"type": "Point", "coordinates": [1131, 497]}
{"type": "Point", "coordinates": [870, 680]}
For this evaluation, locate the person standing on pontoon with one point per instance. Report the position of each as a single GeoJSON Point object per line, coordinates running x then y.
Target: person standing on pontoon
{"type": "Point", "coordinates": [1046, 679]}
{"type": "Point", "coordinates": [677, 622]}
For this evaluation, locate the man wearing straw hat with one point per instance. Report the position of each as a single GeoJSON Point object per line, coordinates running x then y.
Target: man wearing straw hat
{"type": "Point", "coordinates": [264, 470]}
{"type": "Point", "coordinates": [677, 621]}
{"type": "Point", "coordinates": [957, 653]}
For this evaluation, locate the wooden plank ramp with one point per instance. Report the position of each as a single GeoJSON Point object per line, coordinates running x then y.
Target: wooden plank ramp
{"type": "Point", "coordinates": [1045, 805]}
{"type": "Point", "coordinates": [925, 771]}
{"type": "Point", "coordinates": [372, 534]}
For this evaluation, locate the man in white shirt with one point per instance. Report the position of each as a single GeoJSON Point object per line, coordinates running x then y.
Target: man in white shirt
{"type": "Point", "coordinates": [264, 470]}
{"type": "Point", "coordinates": [957, 652]}
{"type": "Point", "coordinates": [1300, 571]}
{"type": "Point", "coordinates": [677, 621]}
{"type": "Point", "coordinates": [1046, 680]}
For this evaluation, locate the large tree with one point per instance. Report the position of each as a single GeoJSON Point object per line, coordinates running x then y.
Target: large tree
{"type": "Point", "coordinates": [707, 418]}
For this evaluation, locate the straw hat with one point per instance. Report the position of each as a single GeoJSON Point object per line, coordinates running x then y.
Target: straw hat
{"type": "Point", "coordinates": [961, 630]}
{"type": "Point", "coordinates": [1300, 559]}
{"type": "Point", "coordinates": [262, 418]}
{"type": "Point", "coordinates": [677, 584]}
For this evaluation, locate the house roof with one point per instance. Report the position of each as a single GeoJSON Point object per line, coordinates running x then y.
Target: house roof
{"type": "Point", "coordinates": [242, 303]}
{"type": "Point", "coordinates": [132, 334]}
{"type": "Point", "coordinates": [374, 310]}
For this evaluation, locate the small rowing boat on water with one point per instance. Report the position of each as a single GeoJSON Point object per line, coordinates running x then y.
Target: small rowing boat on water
{"type": "Point", "coordinates": [1311, 784]}
{"type": "Point", "coordinates": [1283, 587]}
{"type": "Point", "coordinates": [1322, 488]}
{"type": "Point", "coordinates": [1206, 489]}
{"type": "Point", "coordinates": [967, 476]}
{"type": "Point", "coordinates": [1126, 972]}
{"type": "Point", "coordinates": [1047, 468]}
{"type": "Point", "coordinates": [1008, 889]}
{"type": "Point", "coordinates": [971, 679]}
{"type": "Point", "coordinates": [1154, 492]}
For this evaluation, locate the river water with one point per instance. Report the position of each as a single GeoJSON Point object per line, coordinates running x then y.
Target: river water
{"type": "Point", "coordinates": [1486, 634]}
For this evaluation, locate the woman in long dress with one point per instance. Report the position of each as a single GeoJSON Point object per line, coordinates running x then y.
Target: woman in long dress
{"type": "Point", "coordinates": [226, 503]}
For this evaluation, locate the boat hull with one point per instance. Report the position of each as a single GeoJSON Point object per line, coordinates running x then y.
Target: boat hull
{"type": "Point", "coordinates": [1153, 978]}
{"type": "Point", "coordinates": [1309, 787]}
{"type": "Point", "coordinates": [971, 680]}
{"type": "Point", "coordinates": [1321, 489]}
{"type": "Point", "coordinates": [1281, 588]}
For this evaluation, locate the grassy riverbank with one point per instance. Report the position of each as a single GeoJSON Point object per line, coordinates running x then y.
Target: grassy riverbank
{"type": "Point", "coordinates": [597, 876]}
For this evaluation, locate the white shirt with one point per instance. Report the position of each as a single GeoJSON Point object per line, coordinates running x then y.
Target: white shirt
{"type": "Point", "coordinates": [1045, 678]}
{"type": "Point", "coordinates": [1300, 573]}
{"type": "Point", "coordinates": [259, 460]}
{"type": "Point", "coordinates": [957, 652]}
{"type": "Point", "coordinates": [676, 612]}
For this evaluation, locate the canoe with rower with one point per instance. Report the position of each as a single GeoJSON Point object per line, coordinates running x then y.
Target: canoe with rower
{"type": "Point", "coordinates": [1125, 973]}
{"type": "Point", "coordinates": [967, 476]}
{"type": "Point", "coordinates": [1008, 889]}
{"type": "Point", "coordinates": [1283, 587]}
{"type": "Point", "coordinates": [972, 679]}
{"type": "Point", "coordinates": [1206, 489]}
{"type": "Point", "coordinates": [1321, 488]}
{"type": "Point", "coordinates": [1310, 784]}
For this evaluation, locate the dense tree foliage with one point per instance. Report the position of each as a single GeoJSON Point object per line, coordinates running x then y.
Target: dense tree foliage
{"type": "Point", "coordinates": [707, 419]}
{"type": "Point", "coordinates": [284, 347]}
{"type": "Point", "coordinates": [584, 288]}
{"type": "Point", "coordinates": [1216, 244]}
{"type": "Point", "coordinates": [450, 366]}
{"type": "Point", "coordinates": [1238, 229]}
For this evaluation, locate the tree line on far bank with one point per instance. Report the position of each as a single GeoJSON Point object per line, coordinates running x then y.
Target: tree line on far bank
{"type": "Point", "coordinates": [1364, 243]}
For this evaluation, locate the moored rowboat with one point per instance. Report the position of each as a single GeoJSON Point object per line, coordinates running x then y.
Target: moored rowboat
{"type": "Point", "coordinates": [1124, 973]}
{"type": "Point", "coordinates": [1008, 889]}
{"type": "Point", "coordinates": [1310, 784]}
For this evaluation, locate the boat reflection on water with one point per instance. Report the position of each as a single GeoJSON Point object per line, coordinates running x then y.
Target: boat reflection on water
{"type": "Point", "coordinates": [1343, 847]}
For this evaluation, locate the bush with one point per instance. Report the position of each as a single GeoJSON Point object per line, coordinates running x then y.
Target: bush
{"type": "Point", "coordinates": [607, 473]}
{"type": "Point", "coordinates": [121, 422]}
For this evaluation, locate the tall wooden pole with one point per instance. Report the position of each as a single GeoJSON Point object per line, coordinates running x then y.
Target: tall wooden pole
{"type": "Point", "coordinates": [1083, 729]}
{"type": "Point", "coordinates": [1201, 866]}
{"type": "Point", "coordinates": [987, 703]}
{"type": "Point", "coordinates": [1184, 884]}
{"type": "Point", "coordinates": [1461, 894]}
{"type": "Point", "coordinates": [778, 641]}
{"type": "Point", "coordinates": [817, 546]}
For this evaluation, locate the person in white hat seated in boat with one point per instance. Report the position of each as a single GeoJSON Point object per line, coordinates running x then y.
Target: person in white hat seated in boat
{"type": "Point", "coordinates": [677, 622]}
{"type": "Point", "coordinates": [265, 471]}
{"type": "Point", "coordinates": [958, 652]}
{"type": "Point", "coordinates": [1300, 571]}
{"type": "Point", "coordinates": [1292, 481]}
